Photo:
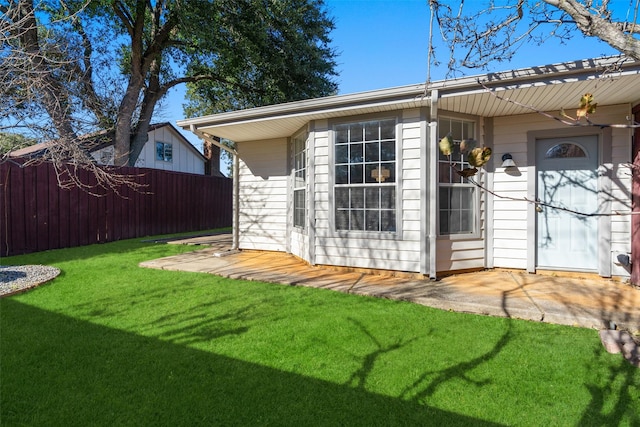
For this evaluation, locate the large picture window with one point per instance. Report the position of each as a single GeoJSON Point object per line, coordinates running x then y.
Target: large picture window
{"type": "Point", "coordinates": [456, 195]}
{"type": "Point", "coordinates": [299, 180]}
{"type": "Point", "coordinates": [365, 176]}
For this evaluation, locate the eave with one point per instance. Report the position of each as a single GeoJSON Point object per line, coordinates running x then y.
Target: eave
{"type": "Point", "coordinates": [546, 88]}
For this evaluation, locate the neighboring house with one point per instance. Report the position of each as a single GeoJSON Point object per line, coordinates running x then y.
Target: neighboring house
{"type": "Point", "coordinates": [166, 149]}
{"type": "Point", "coordinates": [358, 181]}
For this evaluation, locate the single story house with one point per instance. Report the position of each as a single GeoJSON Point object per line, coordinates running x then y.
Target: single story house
{"type": "Point", "coordinates": [358, 180]}
{"type": "Point", "coordinates": [166, 149]}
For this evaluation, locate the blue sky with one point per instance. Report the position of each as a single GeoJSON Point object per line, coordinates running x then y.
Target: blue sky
{"type": "Point", "coordinates": [384, 43]}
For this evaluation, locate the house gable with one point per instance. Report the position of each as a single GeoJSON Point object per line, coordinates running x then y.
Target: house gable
{"type": "Point", "coordinates": [179, 154]}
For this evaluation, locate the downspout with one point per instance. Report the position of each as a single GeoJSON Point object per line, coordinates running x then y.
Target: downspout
{"type": "Point", "coordinates": [635, 201]}
{"type": "Point", "coordinates": [235, 229]}
{"type": "Point", "coordinates": [433, 183]}
{"type": "Point", "coordinates": [235, 225]}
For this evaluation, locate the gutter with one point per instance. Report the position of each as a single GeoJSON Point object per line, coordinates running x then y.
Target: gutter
{"type": "Point", "coordinates": [416, 92]}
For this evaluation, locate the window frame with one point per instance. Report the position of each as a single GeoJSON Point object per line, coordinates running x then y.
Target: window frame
{"type": "Point", "coordinates": [165, 146]}
{"type": "Point", "coordinates": [475, 204]}
{"type": "Point", "coordinates": [304, 137]}
{"type": "Point", "coordinates": [396, 185]}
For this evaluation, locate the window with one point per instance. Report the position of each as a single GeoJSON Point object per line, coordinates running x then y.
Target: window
{"type": "Point", "coordinates": [456, 195]}
{"type": "Point", "coordinates": [564, 151]}
{"type": "Point", "coordinates": [164, 151]}
{"type": "Point", "coordinates": [299, 180]}
{"type": "Point", "coordinates": [365, 176]}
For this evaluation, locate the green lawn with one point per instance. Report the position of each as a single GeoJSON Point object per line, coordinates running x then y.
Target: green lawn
{"type": "Point", "coordinates": [108, 343]}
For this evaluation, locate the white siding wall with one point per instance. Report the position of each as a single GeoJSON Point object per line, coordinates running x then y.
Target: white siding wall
{"type": "Point", "coordinates": [299, 244]}
{"type": "Point", "coordinates": [263, 195]}
{"type": "Point", "coordinates": [510, 217]}
{"type": "Point", "coordinates": [360, 250]}
{"type": "Point", "coordinates": [264, 188]}
{"type": "Point", "coordinates": [621, 177]}
{"type": "Point", "coordinates": [185, 159]}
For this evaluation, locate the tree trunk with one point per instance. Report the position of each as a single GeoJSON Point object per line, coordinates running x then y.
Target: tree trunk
{"type": "Point", "coordinates": [123, 138]}
{"type": "Point", "coordinates": [54, 97]}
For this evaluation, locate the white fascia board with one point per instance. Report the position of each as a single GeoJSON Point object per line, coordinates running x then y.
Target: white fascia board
{"type": "Point", "coordinates": [312, 106]}
{"type": "Point", "coordinates": [565, 72]}
{"type": "Point", "coordinates": [541, 75]}
{"type": "Point", "coordinates": [312, 115]}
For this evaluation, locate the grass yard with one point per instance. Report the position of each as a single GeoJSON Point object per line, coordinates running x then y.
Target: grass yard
{"type": "Point", "coordinates": [108, 343]}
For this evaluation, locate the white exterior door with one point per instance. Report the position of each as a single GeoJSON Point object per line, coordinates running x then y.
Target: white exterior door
{"type": "Point", "coordinates": [567, 178]}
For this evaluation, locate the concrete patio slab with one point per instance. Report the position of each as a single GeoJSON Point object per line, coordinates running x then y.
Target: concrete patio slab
{"type": "Point", "coordinates": [588, 301]}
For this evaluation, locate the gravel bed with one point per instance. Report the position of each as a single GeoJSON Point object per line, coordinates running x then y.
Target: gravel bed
{"type": "Point", "coordinates": [18, 278]}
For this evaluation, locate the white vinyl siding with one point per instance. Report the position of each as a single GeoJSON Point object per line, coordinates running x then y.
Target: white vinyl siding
{"type": "Point", "coordinates": [401, 252]}
{"type": "Point", "coordinates": [264, 182]}
{"type": "Point", "coordinates": [299, 244]}
{"type": "Point", "coordinates": [621, 178]}
{"type": "Point", "coordinates": [184, 157]}
{"type": "Point", "coordinates": [263, 195]}
{"type": "Point", "coordinates": [510, 219]}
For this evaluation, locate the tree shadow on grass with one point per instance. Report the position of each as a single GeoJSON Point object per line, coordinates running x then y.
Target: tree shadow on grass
{"type": "Point", "coordinates": [613, 397]}
{"type": "Point", "coordinates": [359, 377]}
{"type": "Point", "coordinates": [429, 382]}
{"type": "Point", "coordinates": [58, 370]}
{"type": "Point", "coordinates": [172, 313]}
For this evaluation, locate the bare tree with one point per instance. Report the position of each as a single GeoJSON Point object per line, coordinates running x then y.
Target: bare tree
{"type": "Point", "coordinates": [480, 35]}
{"type": "Point", "coordinates": [48, 93]}
{"type": "Point", "coordinates": [68, 67]}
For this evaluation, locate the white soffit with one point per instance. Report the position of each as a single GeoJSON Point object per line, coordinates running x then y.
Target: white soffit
{"type": "Point", "coordinates": [546, 88]}
{"type": "Point", "coordinates": [543, 96]}
{"type": "Point", "coordinates": [285, 125]}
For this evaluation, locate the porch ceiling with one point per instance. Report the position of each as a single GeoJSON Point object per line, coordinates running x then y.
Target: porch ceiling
{"type": "Point", "coordinates": [550, 96]}
{"type": "Point", "coordinates": [546, 88]}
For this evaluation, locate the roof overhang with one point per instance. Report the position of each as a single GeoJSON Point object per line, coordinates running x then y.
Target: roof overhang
{"type": "Point", "coordinates": [612, 80]}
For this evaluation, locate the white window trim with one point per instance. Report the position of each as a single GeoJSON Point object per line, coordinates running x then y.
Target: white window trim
{"type": "Point", "coordinates": [477, 232]}
{"type": "Point", "coordinates": [303, 135]}
{"type": "Point", "coordinates": [364, 234]}
{"type": "Point", "coordinates": [164, 150]}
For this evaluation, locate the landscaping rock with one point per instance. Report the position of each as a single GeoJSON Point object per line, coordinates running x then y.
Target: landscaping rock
{"type": "Point", "coordinates": [19, 278]}
{"type": "Point", "coordinates": [631, 352]}
{"type": "Point", "coordinates": [621, 342]}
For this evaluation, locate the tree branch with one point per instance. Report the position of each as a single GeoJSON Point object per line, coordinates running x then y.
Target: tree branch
{"type": "Point", "coordinates": [549, 205]}
{"type": "Point", "coordinates": [570, 122]}
{"type": "Point", "coordinates": [593, 25]}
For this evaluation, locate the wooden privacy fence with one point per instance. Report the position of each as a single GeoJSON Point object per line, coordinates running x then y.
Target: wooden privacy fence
{"type": "Point", "coordinates": [37, 215]}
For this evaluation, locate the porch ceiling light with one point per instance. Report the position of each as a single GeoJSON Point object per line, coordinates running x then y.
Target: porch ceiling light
{"type": "Point", "coordinates": [507, 161]}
